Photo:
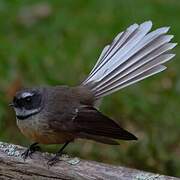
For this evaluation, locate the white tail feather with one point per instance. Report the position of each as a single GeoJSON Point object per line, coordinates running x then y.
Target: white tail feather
{"type": "Point", "coordinates": [133, 55]}
{"type": "Point", "coordinates": [149, 73]}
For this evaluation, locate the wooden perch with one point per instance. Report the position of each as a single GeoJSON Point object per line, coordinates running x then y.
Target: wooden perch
{"type": "Point", "coordinates": [12, 166]}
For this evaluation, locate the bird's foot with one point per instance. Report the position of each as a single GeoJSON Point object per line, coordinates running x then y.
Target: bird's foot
{"type": "Point", "coordinates": [28, 153]}
{"type": "Point", "coordinates": [54, 159]}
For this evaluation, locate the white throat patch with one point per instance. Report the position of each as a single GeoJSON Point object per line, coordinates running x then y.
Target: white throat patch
{"type": "Point", "coordinates": [24, 112]}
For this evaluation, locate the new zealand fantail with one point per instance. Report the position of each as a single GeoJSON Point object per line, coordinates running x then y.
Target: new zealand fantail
{"type": "Point", "coordinates": [61, 114]}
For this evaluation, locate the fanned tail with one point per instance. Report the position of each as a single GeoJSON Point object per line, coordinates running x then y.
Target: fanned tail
{"type": "Point", "coordinates": [134, 55]}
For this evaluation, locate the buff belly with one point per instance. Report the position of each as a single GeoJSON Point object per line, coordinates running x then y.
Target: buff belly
{"type": "Point", "coordinates": [38, 131]}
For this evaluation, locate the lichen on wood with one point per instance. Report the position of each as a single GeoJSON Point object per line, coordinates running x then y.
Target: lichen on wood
{"type": "Point", "coordinates": [12, 166]}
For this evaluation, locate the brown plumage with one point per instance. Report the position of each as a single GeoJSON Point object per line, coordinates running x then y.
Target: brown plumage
{"type": "Point", "coordinates": [71, 117]}
{"type": "Point", "coordinates": [61, 114]}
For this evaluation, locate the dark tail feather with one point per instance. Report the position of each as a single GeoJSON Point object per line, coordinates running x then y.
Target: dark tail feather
{"type": "Point", "coordinates": [100, 139]}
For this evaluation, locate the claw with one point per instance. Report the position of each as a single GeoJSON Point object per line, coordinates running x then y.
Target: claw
{"type": "Point", "coordinates": [53, 160]}
{"type": "Point", "coordinates": [25, 154]}
{"type": "Point", "coordinates": [30, 151]}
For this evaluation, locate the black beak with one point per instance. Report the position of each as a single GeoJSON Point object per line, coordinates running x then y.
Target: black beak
{"type": "Point", "coordinates": [11, 104]}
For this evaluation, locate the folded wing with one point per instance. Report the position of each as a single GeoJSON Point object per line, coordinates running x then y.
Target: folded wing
{"type": "Point", "coordinates": [91, 124]}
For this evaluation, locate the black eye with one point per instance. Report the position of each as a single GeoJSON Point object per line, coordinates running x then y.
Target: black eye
{"type": "Point", "coordinates": [28, 99]}
{"type": "Point", "coordinates": [27, 102]}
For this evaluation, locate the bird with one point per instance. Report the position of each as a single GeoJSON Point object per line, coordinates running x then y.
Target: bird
{"type": "Point", "coordinates": [61, 114]}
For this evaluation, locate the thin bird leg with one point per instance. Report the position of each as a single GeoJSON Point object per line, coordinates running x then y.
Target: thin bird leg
{"type": "Point", "coordinates": [32, 148]}
{"type": "Point", "coordinates": [53, 160]}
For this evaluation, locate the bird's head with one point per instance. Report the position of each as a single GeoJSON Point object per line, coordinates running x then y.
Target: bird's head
{"type": "Point", "coordinates": [27, 102]}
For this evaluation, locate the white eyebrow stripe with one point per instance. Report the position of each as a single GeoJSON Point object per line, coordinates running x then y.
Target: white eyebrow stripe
{"type": "Point", "coordinates": [26, 94]}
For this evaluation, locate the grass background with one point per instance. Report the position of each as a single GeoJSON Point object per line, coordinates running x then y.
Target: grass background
{"type": "Point", "coordinates": [58, 42]}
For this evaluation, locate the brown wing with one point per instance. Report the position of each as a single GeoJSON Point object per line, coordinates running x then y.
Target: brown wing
{"type": "Point", "coordinates": [90, 121]}
{"type": "Point", "coordinates": [87, 122]}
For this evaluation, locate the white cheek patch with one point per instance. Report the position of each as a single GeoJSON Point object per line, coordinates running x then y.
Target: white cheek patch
{"type": "Point", "coordinates": [23, 112]}
{"type": "Point", "coordinates": [26, 94]}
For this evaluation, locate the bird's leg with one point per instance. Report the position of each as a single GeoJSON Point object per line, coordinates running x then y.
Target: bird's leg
{"type": "Point", "coordinates": [32, 148]}
{"type": "Point", "coordinates": [53, 160]}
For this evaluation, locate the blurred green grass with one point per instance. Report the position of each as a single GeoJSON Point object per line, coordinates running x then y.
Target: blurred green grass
{"type": "Point", "coordinates": [58, 42]}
